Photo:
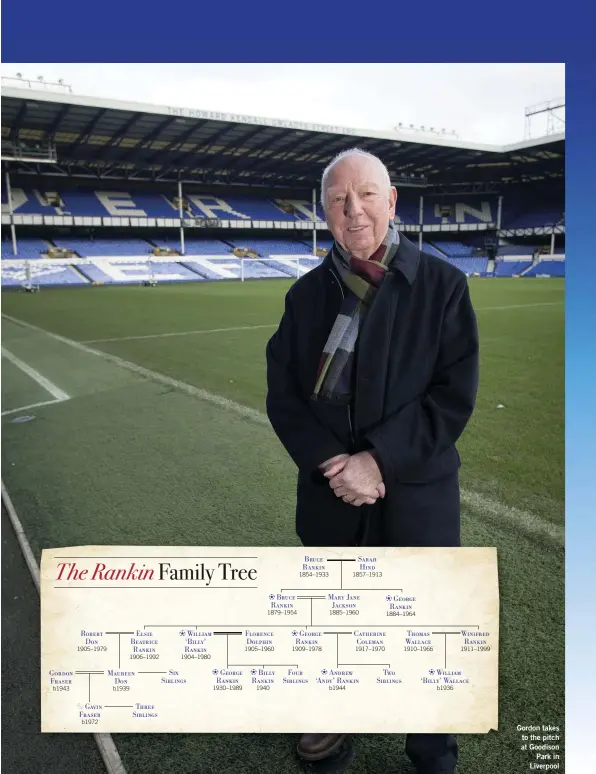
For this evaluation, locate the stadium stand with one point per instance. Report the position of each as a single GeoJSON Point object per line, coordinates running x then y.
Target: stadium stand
{"type": "Point", "coordinates": [58, 274]}
{"type": "Point", "coordinates": [129, 260]}
{"type": "Point", "coordinates": [470, 265]}
{"type": "Point", "coordinates": [110, 213]}
{"type": "Point", "coordinates": [521, 212]}
{"type": "Point", "coordinates": [517, 249]}
{"type": "Point", "coordinates": [511, 268]}
{"type": "Point", "coordinates": [142, 204]}
{"type": "Point", "coordinates": [323, 244]}
{"type": "Point", "coordinates": [103, 246]}
{"type": "Point", "coordinates": [430, 248]}
{"type": "Point", "coordinates": [455, 249]}
{"type": "Point", "coordinates": [123, 272]}
{"type": "Point", "coordinates": [547, 268]}
{"type": "Point", "coordinates": [28, 248]}
{"type": "Point", "coordinates": [195, 246]}
{"type": "Point", "coordinates": [265, 247]}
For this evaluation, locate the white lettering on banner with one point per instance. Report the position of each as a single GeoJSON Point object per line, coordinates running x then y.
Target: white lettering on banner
{"type": "Point", "coordinates": [139, 271]}
{"type": "Point", "coordinates": [483, 215]}
{"type": "Point", "coordinates": [445, 219]}
{"type": "Point", "coordinates": [19, 273]}
{"type": "Point", "coordinates": [19, 197]}
{"type": "Point", "coordinates": [302, 206]}
{"type": "Point", "coordinates": [217, 267]}
{"type": "Point", "coordinates": [461, 210]}
{"type": "Point", "coordinates": [119, 203]}
{"type": "Point", "coordinates": [44, 201]}
{"type": "Point", "coordinates": [243, 119]}
{"type": "Point", "coordinates": [209, 206]}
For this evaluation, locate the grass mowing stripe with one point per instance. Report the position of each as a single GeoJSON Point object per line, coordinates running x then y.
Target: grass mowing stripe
{"type": "Point", "coordinates": [274, 325]}
{"type": "Point", "coordinates": [525, 521]}
{"type": "Point", "coordinates": [105, 743]}
{"type": "Point", "coordinates": [41, 380]}
{"type": "Point", "coordinates": [180, 333]}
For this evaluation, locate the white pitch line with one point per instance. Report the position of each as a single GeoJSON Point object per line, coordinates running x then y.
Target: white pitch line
{"type": "Point", "coordinates": [105, 743]}
{"type": "Point", "coordinates": [41, 380]}
{"type": "Point", "coordinates": [530, 523]}
{"type": "Point", "coordinates": [519, 306]}
{"type": "Point", "coordinates": [30, 406]}
{"type": "Point", "coordinates": [181, 333]}
{"type": "Point", "coordinates": [527, 522]}
{"type": "Point", "coordinates": [153, 376]}
{"type": "Point", "coordinates": [21, 537]}
{"type": "Point", "coordinates": [274, 325]}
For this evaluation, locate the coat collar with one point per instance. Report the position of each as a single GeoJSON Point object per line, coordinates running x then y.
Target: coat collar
{"type": "Point", "coordinates": [406, 260]}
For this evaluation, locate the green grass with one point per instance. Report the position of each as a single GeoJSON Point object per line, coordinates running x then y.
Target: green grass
{"type": "Point", "coordinates": [133, 461]}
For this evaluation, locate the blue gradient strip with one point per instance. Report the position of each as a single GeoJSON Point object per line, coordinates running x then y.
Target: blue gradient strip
{"type": "Point", "coordinates": [271, 31]}
{"type": "Point", "coordinates": [580, 419]}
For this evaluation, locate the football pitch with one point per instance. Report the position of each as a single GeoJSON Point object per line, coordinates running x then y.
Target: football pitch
{"type": "Point", "coordinates": [135, 416]}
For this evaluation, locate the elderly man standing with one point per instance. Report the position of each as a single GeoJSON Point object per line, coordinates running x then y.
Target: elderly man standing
{"type": "Point", "coordinates": [372, 377]}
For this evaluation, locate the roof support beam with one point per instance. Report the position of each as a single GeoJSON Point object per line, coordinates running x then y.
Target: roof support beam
{"type": "Point", "coordinates": [87, 131]}
{"type": "Point", "coordinates": [162, 155]}
{"type": "Point", "coordinates": [51, 132]}
{"type": "Point", "coordinates": [180, 158]}
{"type": "Point", "coordinates": [16, 128]}
{"type": "Point", "coordinates": [153, 134]}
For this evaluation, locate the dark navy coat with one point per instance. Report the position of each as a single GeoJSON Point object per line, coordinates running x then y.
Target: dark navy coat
{"type": "Point", "coordinates": [414, 391]}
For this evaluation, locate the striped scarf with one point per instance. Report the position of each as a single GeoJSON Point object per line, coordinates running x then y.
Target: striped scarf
{"type": "Point", "coordinates": [362, 278]}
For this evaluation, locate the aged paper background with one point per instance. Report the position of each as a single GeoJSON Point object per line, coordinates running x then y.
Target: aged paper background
{"type": "Point", "coordinates": [387, 640]}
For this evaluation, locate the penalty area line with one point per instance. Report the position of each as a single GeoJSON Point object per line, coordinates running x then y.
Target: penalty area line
{"type": "Point", "coordinates": [36, 376]}
{"type": "Point", "coordinates": [245, 411]}
{"type": "Point", "coordinates": [31, 406]}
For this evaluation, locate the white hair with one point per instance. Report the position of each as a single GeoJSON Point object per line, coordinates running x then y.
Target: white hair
{"type": "Point", "coordinates": [343, 155]}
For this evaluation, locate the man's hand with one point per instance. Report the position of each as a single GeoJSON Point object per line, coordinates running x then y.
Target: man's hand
{"type": "Point", "coordinates": [359, 480]}
{"type": "Point", "coordinates": [334, 465]}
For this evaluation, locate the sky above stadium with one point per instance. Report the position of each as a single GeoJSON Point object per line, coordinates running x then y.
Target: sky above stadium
{"type": "Point", "coordinates": [482, 103]}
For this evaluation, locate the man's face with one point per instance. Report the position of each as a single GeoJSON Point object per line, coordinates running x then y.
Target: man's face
{"type": "Point", "coordinates": [358, 205]}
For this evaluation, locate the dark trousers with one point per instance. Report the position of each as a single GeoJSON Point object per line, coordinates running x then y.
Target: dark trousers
{"type": "Point", "coordinates": [430, 753]}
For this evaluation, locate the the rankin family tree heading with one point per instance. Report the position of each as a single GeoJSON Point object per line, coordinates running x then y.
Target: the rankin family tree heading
{"type": "Point", "coordinates": [224, 571]}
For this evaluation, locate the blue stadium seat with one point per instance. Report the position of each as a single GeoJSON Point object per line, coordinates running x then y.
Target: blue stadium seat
{"type": "Point", "coordinates": [455, 249]}
{"type": "Point", "coordinates": [517, 249]}
{"type": "Point", "coordinates": [262, 269]}
{"type": "Point", "coordinates": [429, 248]}
{"type": "Point", "coordinates": [196, 246]}
{"type": "Point", "coordinates": [550, 268]}
{"type": "Point", "coordinates": [105, 247]}
{"type": "Point", "coordinates": [469, 265]}
{"type": "Point", "coordinates": [266, 247]}
{"type": "Point", "coordinates": [510, 268]}
{"type": "Point", "coordinates": [28, 248]}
